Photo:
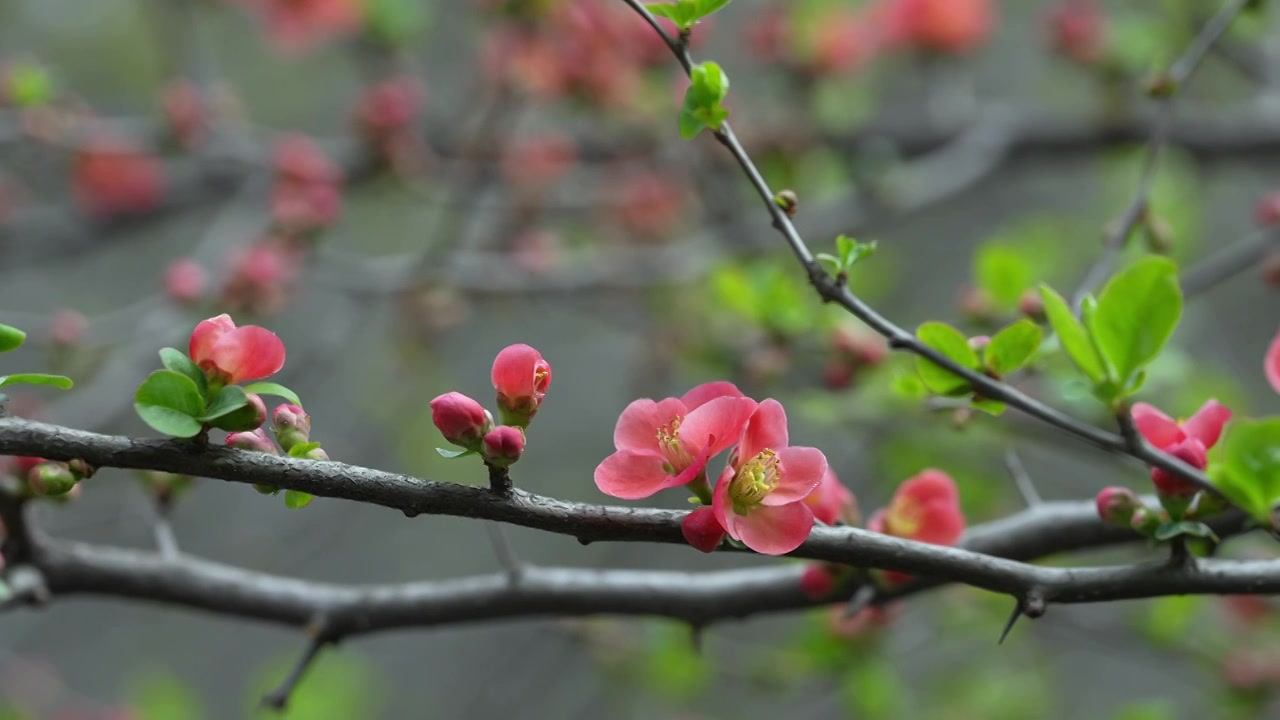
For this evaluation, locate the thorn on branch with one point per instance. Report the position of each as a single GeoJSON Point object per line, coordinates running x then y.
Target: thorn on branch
{"type": "Point", "coordinates": [1032, 605]}
{"type": "Point", "coordinates": [861, 600]}
{"type": "Point", "coordinates": [321, 635]}
{"type": "Point", "coordinates": [1022, 478]}
{"type": "Point", "coordinates": [502, 549]}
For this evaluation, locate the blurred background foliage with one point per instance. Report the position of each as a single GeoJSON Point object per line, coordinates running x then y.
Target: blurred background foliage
{"type": "Point", "coordinates": [546, 198]}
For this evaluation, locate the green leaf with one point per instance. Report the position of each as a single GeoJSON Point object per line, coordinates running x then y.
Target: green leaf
{"type": "Point", "coordinates": [1012, 347]}
{"type": "Point", "coordinates": [1072, 335]}
{"type": "Point", "coordinates": [29, 85]}
{"type": "Point", "coordinates": [170, 403]}
{"type": "Point", "coordinates": [395, 21]}
{"type": "Point", "coordinates": [59, 381]}
{"type": "Point", "coordinates": [1246, 466]}
{"type": "Point", "coordinates": [177, 361]}
{"type": "Point", "coordinates": [295, 499]}
{"type": "Point", "coordinates": [450, 453]}
{"type": "Point", "coordinates": [1005, 272]}
{"type": "Point", "coordinates": [702, 101]}
{"type": "Point", "coordinates": [301, 449]}
{"type": "Point", "coordinates": [680, 13]}
{"type": "Point", "coordinates": [989, 406]}
{"type": "Point", "coordinates": [228, 400]}
{"type": "Point", "coordinates": [1136, 315]}
{"type": "Point", "coordinates": [908, 386]}
{"type": "Point", "coordinates": [11, 338]}
{"type": "Point", "coordinates": [163, 696]}
{"type": "Point", "coordinates": [954, 345]}
{"type": "Point", "coordinates": [706, 7]}
{"type": "Point", "coordinates": [1170, 530]}
{"type": "Point", "coordinates": [270, 388]}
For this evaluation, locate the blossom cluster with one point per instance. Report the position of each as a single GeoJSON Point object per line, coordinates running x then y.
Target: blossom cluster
{"type": "Point", "coordinates": [520, 378]}
{"type": "Point", "coordinates": [769, 493]}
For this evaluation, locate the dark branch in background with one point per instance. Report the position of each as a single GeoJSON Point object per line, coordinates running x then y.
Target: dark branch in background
{"type": "Point", "coordinates": [831, 290]}
{"type": "Point", "coordinates": [321, 636]}
{"type": "Point", "coordinates": [1230, 262]}
{"type": "Point", "coordinates": [1168, 86]}
{"type": "Point", "coordinates": [1021, 478]}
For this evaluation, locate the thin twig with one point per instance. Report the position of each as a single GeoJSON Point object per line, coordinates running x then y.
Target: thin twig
{"type": "Point", "coordinates": [166, 542]}
{"type": "Point", "coordinates": [502, 549]}
{"type": "Point", "coordinates": [278, 698]}
{"type": "Point", "coordinates": [1237, 258]}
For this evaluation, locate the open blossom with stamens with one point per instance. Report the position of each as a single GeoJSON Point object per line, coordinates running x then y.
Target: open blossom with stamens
{"type": "Point", "coordinates": [759, 498]}
{"type": "Point", "coordinates": [926, 508]}
{"type": "Point", "coordinates": [667, 443]}
{"type": "Point", "coordinates": [1188, 440]}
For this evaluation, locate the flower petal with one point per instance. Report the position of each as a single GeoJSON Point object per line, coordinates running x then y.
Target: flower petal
{"type": "Point", "coordinates": [774, 530]}
{"type": "Point", "coordinates": [206, 334]}
{"type": "Point", "coordinates": [1159, 429]}
{"type": "Point", "coordinates": [514, 369]}
{"type": "Point", "coordinates": [941, 523]}
{"type": "Point", "coordinates": [766, 429]}
{"type": "Point", "coordinates": [716, 425]}
{"type": "Point", "coordinates": [707, 392]}
{"type": "Point", "coordinates": [631, 475]}
{"type": "Point", "coordinates": [248, 353]}
{"type": "Point", "coordinates": [720, 502]}
{"type": "Point", "coordinates": [1272, 363]}
{"type": "Point", "coordinates": [928, 485]}
{"type": "Point", "coordinates": [1206, 425]}
{"type": "Point", "coordinates": [637, 427]}
{"type": "Point", "coordinates": [802, 471]}
{"type": "Point", "coordinates": [832, 502]}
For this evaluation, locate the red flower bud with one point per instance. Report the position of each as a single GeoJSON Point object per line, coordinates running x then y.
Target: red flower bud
{"type": "Point", "coordinates": [817, 582]}
{"type": "Point", "coordinates": [255, 440]}
{"type": "Point", "coordinates": [1267, 212]}
{"type": "Point", "coordinates": [461, 420]}
{"type": "Point", "coordinates": [503, 445]}
{"type": "Point", "coordinates": [1116, 505]}
{"type": "Point", "coordinates": [522, 378]}
{"type": "Point", "coordinates": [67, 328]}
{"type": "Point", "coordinates": [113, 177]}
{"type": "Point", "coordinates": [702, 530]}
{"type": "Point", "coordinates": [1077, 30]}
{"type": "Point", "coordinates": [1031, 305]}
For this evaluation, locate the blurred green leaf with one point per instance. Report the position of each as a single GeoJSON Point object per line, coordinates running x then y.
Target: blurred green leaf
{"type": "Point", "coordinates": [1012, 347]}
{"type": "Point", "coordinates": [952, 344]}
{"type": "Point", "coordinates": [301, 449]}
{"type": "Point", "coordinates": [1004, 271]}
{"type": "Point", "coordinates": [673, 666]}
{"type": "Point", "coordinates": [295, 499]}
{"type": "Point", "coordinates": [1245, 465]}
{"type": "Point", "coordinates": [170, 403]}
{"type": "Point", "coordinates": [872, 689]}
{"type": "Point", "coordinates": [58, 381]}
{"type": "Point", "coordinates": [338, 686]}
{"type": "Point", "coordinates": [1188, 528]}
{"type": "Point", "coordinates": [29, 84]}
{"type": "Point", "coordinates": [160, 695]}
{"type": "Point", "coordinates": [394, 22]}
{"type": "Point", "coordinates": [11, 338]}
{"type": "Point", "coordinates": [270, 388]}
{"type": "Point", "coordinates": [702, 101]}
{"type": "Point", "coordinates": [1169, 618]}
{"type": "Point", "coordinates": [1075, 340]}
{"type": "Point", "coordinates": [1137, 313]}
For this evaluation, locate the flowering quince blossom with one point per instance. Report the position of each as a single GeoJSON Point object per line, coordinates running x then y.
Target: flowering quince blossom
{"type": "Point", "coordinates": [925, 508]}
{"type": "Point", "coordinates": [521, 377]}
{"type": "Point", "coordinates": [950, 26]}
{"type": "Point", "coordinates": [832, 502]}
{"type": "Point", "coordinates": [667, 443]}
{"type": "Point", "coordinates": [702, 530]}
{"type": "Point", "coordinates": [115, 177]}
{"type": "Point", "coordinates": [1272, 363]}
{"type": "Point", "coordinates": [759, 498]}
{"type": "Point", "coordinates": [230, 354]}
{"type": "Point", "coordinates": [1188, 441]}
{"type": "Point", "coordinates": [461, 420]}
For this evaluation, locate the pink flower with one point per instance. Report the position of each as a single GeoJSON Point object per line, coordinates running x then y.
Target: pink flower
{"type": "Point", "coordinates": [389, 107]}
{"type": "Point", "coordinates": [759, 498]}
{"type": "Point", "coordinates": [187, 113]}
{"type": "Point", "coordinates": [667, 444]}
{"type": "Point", "coordinates": [950, 26]}
{"type": "Point", "coordinates": [521, 377]}
{"type": "Point", "coordinates": [817, 582]}
{"type": "Point", "coordinates": [1077, 29]}
{"type": "Point", "coordinates": [503, 445]}
{"type": "Point", "coordinates": [925, 508]}
{"type": "Point", "coordinates": [231, 354]}
{"type": "Point", "coordinates": [461, 420]}
{"type": "Point", "coordinates": [185, 281]}
{"type": "Point", "coordinates": [115, 177]}
{"type": "Point", "coordinates": [1271, 365]}
{"type": "Point", "coordinates": [1267, 212]}
{"type": "Point", "coordinates": [67, 327]}
{"type": "Point", "coordinates": [832, 502]}
{"type": "Point", "coordinates": [702, 530]}
{"type": "Point", "coordinates": [1188, 441]}
{"type": "Point", "coordinates": [295, 25]}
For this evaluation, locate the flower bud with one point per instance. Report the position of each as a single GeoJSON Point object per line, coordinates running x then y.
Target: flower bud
{"type": "Point", "coordinates": [67, 328]}
{"type": "Point", "coordinates": [291, 425]}
{"type": "Point", "coordinates": [503, 446]}
{"type": "Point", "coordinates": [1116, 505]}
{"type": "Point", "coordinates": [817, 582]}
{"type": "Point", "coordinates": [316, 454]}
{"type": "Point", "coordinates": [1190, 451]}
{"type": "Point", "coordinates": [788, 201]}
{"type": "Point", "coordinates": [185, 281]}
{"type": "Point", "coordinates": [1145, 520]}
{"type": "Point", "coordinates": [249, 417]}
{"type": "Point", "coordinates": [1267, 212]}
{"type": "Point", "coordinates": [255, 440]}
{"type": "Point", "coordinates": [51, 479]}
{"type": "Point", "coordinates": [80, 469]}
{"type": "Point", "coordinates": [1031, 305]}
{"type": "Point", "coordinates": [461, 420]}
{"type": "Point", "coordinates": [979, 342]}
{"type": "Point", "coordinates": [702, 530]}
{"type": "Point", "coordinates": [521, 377]}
